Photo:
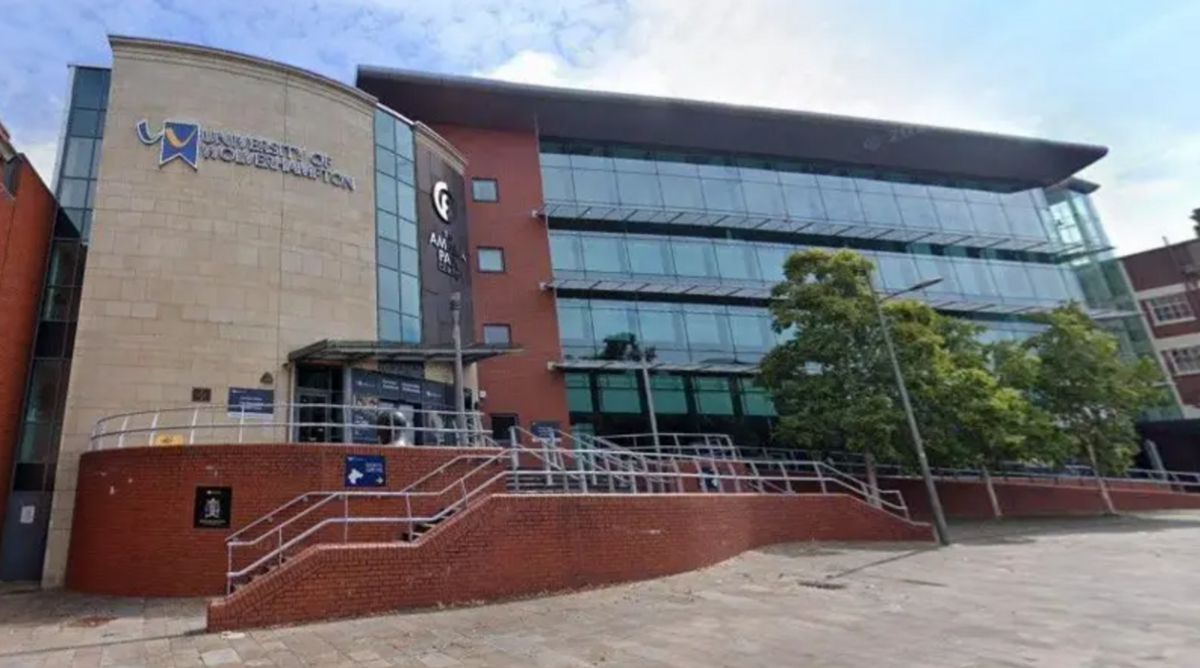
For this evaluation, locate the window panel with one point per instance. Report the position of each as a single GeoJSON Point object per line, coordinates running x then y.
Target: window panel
{"type": "Point", "coordinates": [831, 182]}
{"type": "Point", "coordinates": [386, 226]}
{"type": "Point", "coordinates": [404, 141]}
{"type": "Point", "coordinates": [604, 254]}
{"type": "Point", "coordinates": [1013, 281]}
{"type": "Point", "coordinates": [491, 259]}
{"type": "Point", "coordinates": [677, 167]}
{"type": "Point", "coordinates": [385, 193]}
{"type": "Point", "coordinates": [385, 161]}
{"type": "Point", "coordinates": [751, 333]}
{"type": "Point", "coordinates": [793, 178]}
{"type": "Point", "coordinates": [85, 123]}
{"type": "Point", "coordinates": [670, 394]}
{"type": "Point", "coordinates": [405, 172]}
{"type": "Point", "coordinates": [613, 323]}
{"type": "Point", "coordinates": [595, 187]}
{"type": "Point", "coordinates": [575, 326]}
{"type": "Point", "coordinates": [619, 393]}
{"type": "Point", "coordinates": [873, 186]}
{"type": "Point", "coordinates": [497, 334]}
{"type": "Point", "coordinates": [896, 271]}
{"type": "Point", "coordinates": [410, 295]}
{"type": "Point", "coordinates": [723, 195]}
{"type": "Point", "coordinates": [410, 327]}
{"type": "Point", "coordinates": [579, 392]}
{"type": "Point", "coordinates": [564, 252]}
{"type": "Point", "coordinates": [406, 201]}
{"type": "Point", "coordinates": [78, 159]}
{"type": "Point", "coordinates": [764, 199]}
{"type": "Point", "coordinates": [756, 400]}
{"type": "Point", "coordinates": [662, 328]}
{"type": "Point", "coordinates": [557, 184]}
{"type": "Point", "coordinates": [880, 209]}
{"type": "Point", "coordinates": [707, 330]}
{"type": "Point", "coordinates": [91, 88]}
{"type": "Point", "coordinates": [954, 215]}
{"type": "Point", "coordinates": [770, 262]}
{"type": "Point", "coordinates": [592, 162]}
{"type": "Point", "coordinates": [485, 190]}
{"type": "Point", "coordinates": [721, 172]}
{"type": "Point", "coordinates": [59, 305]}
{"type": "Point", "coordinates": [408, 234]}
{"type": "Point", "coordinates": [385, 130]}
{"type": "Point", "coordinates": [64, 264]}
{"type": "Point", "coordinates": [639, 189]}
{"type": "Point", "coordinates": [803, 202]}
{"type": "Point", "coordinates": [73, 193]}
{"type": "Point", "coordinates": [650, 256]}
{"type": "Point", "coordinates": [44, 386]}
{"type": "Point", "coordinates": [713, 395]}
{"type": "Point", "coordinates": [842, 206]}
{"type": "Point", "coordinates": [989, 218]}
{"type": "Point", "coordinates": [752, 175]}
{"type": "Point", "coordinates": [1171, 308]}
{"type": "Point", "coordinates": [389, 289]}
{"type": "Point", "coordinates": [1024, 221]}
{"type": "Point", "coordinates": [389, 326]}
{"type": "Point", "coordinates": [681, 192]}
{"type": "Point", "coordinates": [918, 212]}
{"type": "Point", "coordinates": [387, 253]}
{"type": "Point", "coordinates": [694, 258]}
{"type": "Point", "coordinates": [737, 261]}
{"type": "Point", "coordinates": [945, 193]}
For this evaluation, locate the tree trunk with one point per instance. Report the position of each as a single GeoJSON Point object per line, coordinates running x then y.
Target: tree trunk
{"type": "Point", "coordinates": [991, 490]}
{"type": "Point", "coordinates": [1109, 508]}
{"type": "Point", "coordinates": [872, 479]}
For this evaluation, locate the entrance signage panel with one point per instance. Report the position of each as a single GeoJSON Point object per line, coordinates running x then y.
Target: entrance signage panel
{"type": "Point", "coordinates": [251, 401]}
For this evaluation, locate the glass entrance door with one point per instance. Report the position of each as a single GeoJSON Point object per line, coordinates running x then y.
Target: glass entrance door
{"type": "Point", "coordinates": [314, 418]}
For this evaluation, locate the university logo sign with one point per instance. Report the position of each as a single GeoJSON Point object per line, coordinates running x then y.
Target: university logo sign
{"type": "Point", "coordinates": [443, 202]}
{"type": "Point", "coordinates": [189, 142]}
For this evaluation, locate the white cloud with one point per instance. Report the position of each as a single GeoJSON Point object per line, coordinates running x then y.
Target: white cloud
{"type": "Point", "coordinates": [43, 156]}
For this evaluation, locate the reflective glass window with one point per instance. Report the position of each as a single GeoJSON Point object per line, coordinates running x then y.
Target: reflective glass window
{"type": "Point", "coordinates": [724, 172]}
{"type": "Point", "coordinates": [564, 252]}
{"type": "Point", "coordinates": [405, 172]}
{"type": "Point", "coordinates": [790, 178]}
{"type": "Point", "coordinates": [557, 184]}
{"type": "Point", "coordinates": [575, 325]}
{"type": "Point", "coordinates": [389, 288]}
{"type": "Point", "coordinates": [663, 327]}
{"type": "Point", "coordinates": [389, 326]}
{"type": "Point", "coordinates": [694, 258]}
{"type": "Point", "coordinates": [404, 141]}
{"type": "Point", "coordinates": [604, 254]}
{"type": "Point", "coordinates": [975, 278]}
{"type": "Point", "coordinates": [491, 260]}
{"type": "Point", "coordinates": [1025, 221]}
{"type": "Point", "coordinates": [639, 189]}
{"type": "Point", "coordinates": [872, 186]}
{"type": "Point", "coordinates": [613, 321]}
{"type": "Point", "coordinates": [406, 201]}
{"type": "Point", "coordinates": [650, 256]}
{"type": "Point", "coordinates": [707, 329]}
{"type": "Point", "coordinates": [408, 234]}
{"type": "Point", "coordinates": [387, 254]}
{"type": "Point", "coordinates": [385, 193]}
{"type": "Point", "coordinates": [989, 218]}
{"type": "Point", "coordinates": [756, 400]}
{"type": "Point", "coordinates": [842, 206]}
{"type": "Point", "coordinates": [945, 193]}
{"type": "Point", "coordinates": [918, 212]}
{"type": "Point", "coordinates": [91, 88]}
{"type": "Point", "coordinates": [830, 182]}
{"type": "Point", "coordinates": [880, 209]}
{"type": "Point", "coordinates": [44, 385]}
{"type": "Point", "coordinates": [592, 162]}
{"type": "Point", "coordinates": [554, 159]}
{"type": "Point", "coordinates": [619, 393]}
{"type": "Point", "coordinates": [410, 295]}
{"type": "Point", "coordinates": [723, 195]}
{"type": "Point", "coordinates": [497, 334]}
{"type": "Point", "coordinates": [410, 329]}
{"type": "Point", "coordinates": [670, 395]}
{"type": "Point", "coordinates": [752, 175]}
{"type": "Point", "coordinates": [85, 123]}
{"type": "Point", "coordinates": [677, 167]}
{"type": "Point", "coordinates": [386, 224]}
{"type": "Point", "coordinates": [64, 264]}
{"type": "Point", "coordinates": [770, 262]}
{"type": "Point", "coordinates": [579, 392]}
{"type": "Point", "coordinates": [954, 215]}
{"type": "Point", "coordinates": [737, 261]}
{"type": "Point", "coordinates": [59, 305]}
{"type": "Point", "coordinates": [713, 395]}
{"type": "Point", "coordinates": [751, 332]}
{"type": "Point", "coordinates": [765, 199]}
{"type": "Point", "coordinates": [681, 192]}
{"type": "Point", "coordinates": [635, 165]}
{"type": "Point", "coordinates": [1013, 281]}
{"type": "Point", "coordinates": [385, 130]}
{"type": "Point", "coordinates": [485, 190]}
{"type": "Point", "coordinates": [73, 193]}
{"type": "Point", "coordinates": [594, 186]}
{"type": "Point", "coordinates": [896, 271]}
{"type": "Point", "coordinates": [803, 202]}
{"type": "Point", "coordinates": [385, 161]}
{"type": "Point", "coordinates": [409, 262]}
{"type": "Point", "coordinates": [78, 158]}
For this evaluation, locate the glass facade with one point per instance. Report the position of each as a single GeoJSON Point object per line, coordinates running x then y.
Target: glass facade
{"type": "Point", "coordinates": [397, 265]}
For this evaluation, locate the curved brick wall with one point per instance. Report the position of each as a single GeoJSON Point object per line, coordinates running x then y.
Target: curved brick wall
{"type": "Point", "coordinates": [520, 545]}
{"type": "Point", "coordinates": [133, 533]}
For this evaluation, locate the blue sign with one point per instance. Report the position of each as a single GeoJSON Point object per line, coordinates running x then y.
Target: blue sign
{"type": "Point", "coordinates": [365, 471]}
{"type": "Point", "coordinates": [546, 429]}
{"type": "Point", "coordinates": [176, 140]}
{"type": "Point", "coordinates": [250, 401]}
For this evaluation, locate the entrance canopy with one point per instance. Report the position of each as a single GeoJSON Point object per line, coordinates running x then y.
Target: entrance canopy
{"type": "Point", "coordinates": [348, 351]}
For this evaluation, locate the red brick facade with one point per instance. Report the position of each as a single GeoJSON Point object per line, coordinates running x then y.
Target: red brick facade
{"type": "Point", "coordinates": [25, 225]}
{"type": "Point", "coordinates": [519, 384]}
{"type": "Point", "coordinates": [511, 546]}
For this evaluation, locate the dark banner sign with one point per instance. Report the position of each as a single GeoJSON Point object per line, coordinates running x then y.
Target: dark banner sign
{"type": "Point", "coordinates": [251, 401]}
{"type": "Point", "coordinates": [213, 508]}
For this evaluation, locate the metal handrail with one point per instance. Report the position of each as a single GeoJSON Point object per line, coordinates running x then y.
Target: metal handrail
{"type": "Point", "coordinates": [277, 423]}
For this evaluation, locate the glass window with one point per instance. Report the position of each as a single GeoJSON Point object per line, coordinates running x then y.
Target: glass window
{"type": "Point", "coordinates": [635, 165]}
{"type": "Point", "coordinates": [803, 202]}
{"type": "Point", "coordinates": [389, 325]}
{"type": "Point", "coordinates": [410, 295]}
{"type": "Point", "coordinates": [694, 258]}
{"type": "Point", "coordinates": [842, 206]}
{"type": "Point", "coordinates": [385, 161]}
{"type": "Point", "coordinates": [554, 159]}
{"type": "Point", "coordinates": [411, 328]}
{"type": "Point", "coordinates": [1013, 281]}
{"type": "Point", "coordinates": [404, 140]}
{"type": "Point", "coordinates": [557, 184]}
{"type": "Point", "coordinates": [830, 182]}
{"type": "Point", "coordinates": [954, 215]}
{"type": "Point", "coordinates": [386, 224]}
{"type": "Point", "coordinates": [405, 172]}
{"type": "Point", "coordinates": [880, 209]}
{"type": "Point", "coordinates": [619, 393]}
{"type": "Point", "coordinates": [737, 261]}
{"type": "Point", "coordinates": [945, 193]}
{"type": "Point", "coordinates": [650, 256]}
{"type": "Point", "coordinates": [662, 327]}
{"type": "Point", "coordinates": [78, 159]}
{"type": "Point", "coordinates": [975, 278]}
{"type": "Point", "coordinates": [1048, 282]}
{"type": "Point", "coordinates": [872, 186]}
{"type": "Point", "coordinates": [604, 254]}
{"type": "Point", "coordinates": [564, 252]}
{"type": "Point", "coordinates": [497, 334]}
{"type": "Point", "coordinates": [409, 262]}
{"type": "Point", "coordinates": [387, 253]}
{"type": "Point", "coordinates": [574, 325]}
{"type": "Point", "coordinates": [592, 162]}
{"type": "Point", "coordinates": [764, 199]}
{"type": "Point", "coordinates": [73, 193]}
{"type": "Point", "coordinates": [406, 201]}
{"type": "Point", "coordinates": [615, 326]}
{"type": "Point", "coordinates": [385, 130]}
{"type": "Point", "coordinates": [989, 218]}
{"type": "Point", "coordinates": [756, 400]}
{"type": "Point", "coordinates": [579, 392]}
{"type": "Point", "coordinates": [681, 192]}
{"type": "Point", "coordinates": [491, 259]}
{"type": "Point", "coordinates": [918, 212]}
{"type": "Point", "coordinates": [707, 329]}
{"type": "Point", "coordinates": [797, 178]}
{"type": "Point", "coordinates": [749, 174]}
{"type": "Point", "coordinates": [639, 189]}
{"type": "Point", "coordinates": [389, 288]}
{"type": "Point", "coordinates": [1185, 360]}
{"type": "Point", "coordinates": [670, 394]}
{"type": "Point", "coordinates": [385, 192]}
{"type": "Point", "coordinates": [1025, 221]}
{"type": "Point", "coordinates": [713, 396]}
{"type": "Point", "coordinates": [896, 271]}
{"type": "Point", "coordinates": [1171, 308]}
{"type": "Point", "coordinates": [44, 388]}
{"type": "Point", "coordinates": [770, 262]}
{"type": "Point", "coordinates": [674, 164]}
{"type": "Point", "coordinates": [64, 264]}
{"type": "Point", "coordinates": [714, 167]}
{"type": "Point", "coordinates": [91, 88]}
{"type": "Point", "coordinates": [751, 332]}
{"type": "Point", "coordinates": [485, 190]}
{"type": "Point", "coordinates": [408, 234]}
{"type": "Point", "coordinates": [594, 186]}
{"type": "Point", "coordinates": [723, 195]}
{"type": "Point", "coordinates": [59, 305]}
{"type": "Point", "coordinates": [85, 123]}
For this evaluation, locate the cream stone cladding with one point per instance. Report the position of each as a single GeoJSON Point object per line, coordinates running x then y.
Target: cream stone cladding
{"type": "Point", "coordinates": [208, 277]}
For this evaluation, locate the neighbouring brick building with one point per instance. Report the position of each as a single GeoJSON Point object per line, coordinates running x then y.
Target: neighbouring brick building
{"type": "Point", "coordinates": [258, 235]}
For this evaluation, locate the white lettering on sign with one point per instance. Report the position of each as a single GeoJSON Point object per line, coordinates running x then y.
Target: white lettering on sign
{"type": "Point", "coordinates": [28, 513]}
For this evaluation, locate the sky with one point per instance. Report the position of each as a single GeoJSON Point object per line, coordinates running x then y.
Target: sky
{"type": "Point", "coordinates": [1118, 73]}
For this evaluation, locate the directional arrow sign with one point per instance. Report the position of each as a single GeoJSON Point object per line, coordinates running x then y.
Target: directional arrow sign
{"type": "Point", "coordinates": [365, 471]}
{"type": "Point", "coordinates": [354, 476]}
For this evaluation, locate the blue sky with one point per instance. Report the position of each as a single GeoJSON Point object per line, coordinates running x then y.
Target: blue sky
{"type": "Point", "coordinates": [1113, 72]}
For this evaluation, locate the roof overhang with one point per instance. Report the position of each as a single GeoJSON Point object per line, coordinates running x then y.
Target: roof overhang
{"type": "Point", "coordinates": [674, 123]}
{"type": "Point", "coordinates": [727, 368]}
{"type": "Point", "coordinates": [343, 351]}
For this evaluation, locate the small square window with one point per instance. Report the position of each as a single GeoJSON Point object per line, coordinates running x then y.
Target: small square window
{"type": "Point", "coordinates": [497, 334]}
{"type": "Point", "coordinates": [491, 260]}
{"type": "Point", "coordinates": [485, 190]}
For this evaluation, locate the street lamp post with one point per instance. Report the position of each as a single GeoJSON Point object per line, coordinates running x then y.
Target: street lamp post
{"type": "Point", "coordinates": [935, 503]}
{"type": "Point", "coordinates": [460, 411]}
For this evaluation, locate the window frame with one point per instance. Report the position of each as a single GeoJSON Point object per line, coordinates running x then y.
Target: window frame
{"type": "Point", "coordinates": [1166, 302]}
{"type": "Point", "coordinates": [495, 326]}
{"type": "Point", "coordinates": [479, 253]}
{"type": "Point", "coordinates": [485, 179]}
{"type": "Point", "coordinates": [1174, 358]}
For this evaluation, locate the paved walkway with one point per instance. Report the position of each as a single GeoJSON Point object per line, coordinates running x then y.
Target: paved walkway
{"type": "Point", "coordinates": [1064, 593]}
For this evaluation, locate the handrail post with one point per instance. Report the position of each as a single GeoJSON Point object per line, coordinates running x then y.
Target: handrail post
{"type": "Point", "coordinates": [820, 477]}
{"type": "Point", "coordinates": [408, 509]}
{"type": "Point", "coordinates": [546, 461]}
{"type": "Point", "coordinates": [241, 424]}
{"type": "Point", "coordinates": [280, 548]}
{"type": "Point", "coordinates": [153, 428]}
{"type": "Point", "coordinates": [124, 427]}
{"type": "Point", "coordinates": [345, 517]}
{"type": "Point", "coordinates": [192, 432]}
{"type": "Point", "coordinates": [228, 568]}
{"type": "Point", "coordinates": [787, 482]}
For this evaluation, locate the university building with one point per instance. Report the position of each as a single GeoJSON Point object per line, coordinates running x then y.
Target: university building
{"type": "Point", "coordinates": [234, 231]}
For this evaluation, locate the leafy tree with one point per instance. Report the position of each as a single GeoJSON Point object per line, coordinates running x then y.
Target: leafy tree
{"type": "Point", "coordinates": [1089, 390]}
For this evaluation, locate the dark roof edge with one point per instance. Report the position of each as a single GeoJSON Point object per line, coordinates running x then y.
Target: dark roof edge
{"type": "Point", "coordinates": [496, 85]}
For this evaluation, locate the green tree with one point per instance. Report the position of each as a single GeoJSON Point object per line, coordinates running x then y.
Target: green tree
{"type": "Point", "coordinates": [1091, 392]}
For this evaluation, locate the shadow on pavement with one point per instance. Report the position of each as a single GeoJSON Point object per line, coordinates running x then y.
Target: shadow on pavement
{"type": "Point", "coordinates": [1027, 530]}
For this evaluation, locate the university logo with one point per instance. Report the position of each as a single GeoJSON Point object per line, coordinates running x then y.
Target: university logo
{"type": "Point", "coordinates": [176, 140]}
{"type": "Point", "coordinates": [443, 202]}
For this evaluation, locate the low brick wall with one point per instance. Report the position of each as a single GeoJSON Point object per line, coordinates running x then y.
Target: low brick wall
{"type": "Point", "coordinates": [513, 545]}
{"type": "Point", "coordinates": [968, 499]}
{"type": "Point", "coordinates": [133, 532]}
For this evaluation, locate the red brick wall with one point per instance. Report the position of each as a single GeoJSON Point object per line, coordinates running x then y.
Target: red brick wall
{"type": "Point", "coordinates": [25, 226]}
{"type": "Point", "coordinates": [519, 383]}
{"type": "Point", "coordinates": [513, 545]}
{"type": "Point", "coordinates": [969, 499]}
{"type": "Point", "coordinates": [133, 536]}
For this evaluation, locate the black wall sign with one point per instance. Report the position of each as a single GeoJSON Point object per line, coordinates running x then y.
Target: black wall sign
{"type": "Point", "coordinates": [214, 508]}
